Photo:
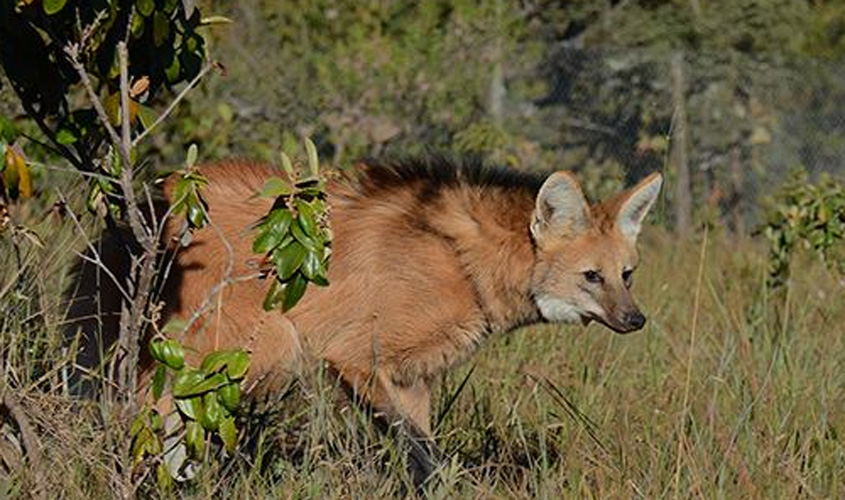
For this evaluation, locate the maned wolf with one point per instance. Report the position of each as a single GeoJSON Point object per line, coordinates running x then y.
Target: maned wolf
{"type": "Point", "coordinates": [429, 258]}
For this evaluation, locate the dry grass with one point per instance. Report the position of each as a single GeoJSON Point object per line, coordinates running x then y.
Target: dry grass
{"type": "Point", "coordinates": [752, 408]}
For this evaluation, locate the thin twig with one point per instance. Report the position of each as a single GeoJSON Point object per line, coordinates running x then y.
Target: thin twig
{"type": "Point", "coordinates": [97, 258]}
{"type": "Point", "coordinates": [173, 104]}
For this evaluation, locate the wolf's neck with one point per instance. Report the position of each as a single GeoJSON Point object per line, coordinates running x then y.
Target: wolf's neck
{"type": "Point", "coordinates": [490, 233]}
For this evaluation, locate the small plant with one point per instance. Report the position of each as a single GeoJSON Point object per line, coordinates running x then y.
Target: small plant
{"type": "Point", "coordinates": [206, 399]}
{"type": "Point", "coordinates": [294, 237]}
{"type": "Point", "coordinates": [809, 216]}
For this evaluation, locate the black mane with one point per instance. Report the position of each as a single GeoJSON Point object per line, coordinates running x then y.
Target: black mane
{"type": "Point", "coordinates": [436, 172]}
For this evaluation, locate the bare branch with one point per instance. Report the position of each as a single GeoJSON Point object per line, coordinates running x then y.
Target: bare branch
{"type": "Point", "coordinates": [173, 103]}
{"type": "Point", "coordinates": [139, 229]}
{"type": "Point", "coordinates": [72, 52]}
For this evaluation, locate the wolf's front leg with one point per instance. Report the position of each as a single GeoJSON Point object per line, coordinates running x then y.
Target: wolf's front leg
{"type": "Point", "coordinates": [409, 411]}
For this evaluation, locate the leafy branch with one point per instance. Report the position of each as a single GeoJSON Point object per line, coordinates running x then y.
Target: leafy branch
{"type": "Point", "coordinates": [294, 236]}
{"type": "Point", "coordinates": [808, 216]}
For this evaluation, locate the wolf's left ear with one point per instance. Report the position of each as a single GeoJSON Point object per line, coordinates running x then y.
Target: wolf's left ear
{"type": "Point", "coordinates": [636, 205]}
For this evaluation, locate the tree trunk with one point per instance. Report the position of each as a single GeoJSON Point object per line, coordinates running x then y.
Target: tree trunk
{"type": "Point", "coordinates": [496, 96]}
{"type": "Point", "coordinates": [680, 157]}
{"type": "Point", "coordinates": [737, 194]}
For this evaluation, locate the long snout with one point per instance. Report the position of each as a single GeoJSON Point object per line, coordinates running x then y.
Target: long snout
{"type": "Point", "coordinates": [625, 321]}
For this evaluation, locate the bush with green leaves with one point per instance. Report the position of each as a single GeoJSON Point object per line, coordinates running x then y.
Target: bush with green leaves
{"type": "Point", "coordinates": [206, 400]}
{"type": "Point", "coordinates": [295, 240]}
{"type": "Point", "coordinates": [56, 51]}
{"type": "Point", "coordinates": [807, 216]}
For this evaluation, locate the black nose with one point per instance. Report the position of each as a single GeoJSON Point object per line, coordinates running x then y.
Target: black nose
{"type": "Point", "coordinates": [635, 320]}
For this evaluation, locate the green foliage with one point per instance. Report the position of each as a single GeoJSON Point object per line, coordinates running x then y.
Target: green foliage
{"type": "Point", "coordinates": [806, 216]}
{"type": "Point", "coordinates": [187, 198]}
{"type": "Point", "coordinates": [294, 236]}
{"type": "Point", "coordinates": [432, 60]}
{"type": "Point", "coordinates": [48, 46]}
{"type": "Point", "coordinates": [206, 400]}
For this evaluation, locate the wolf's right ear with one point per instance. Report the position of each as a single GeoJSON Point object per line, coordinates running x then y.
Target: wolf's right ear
{"type": "Point", "coordinates": [561, 209]}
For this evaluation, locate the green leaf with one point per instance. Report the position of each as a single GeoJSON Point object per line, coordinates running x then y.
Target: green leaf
{"type": "Point", "coordinates": [181, 191]}
{"type": "Point", "coordinates": [196, 211]}
{"type": "Point", "coordinates": [95, 197]}
{"type": "Point", "coordinates": [161, 28]}
{"type": "Point", "coordinates": [145, 7]}
{"type": "Point", "coordinates": [191, 158]}
{"type": "Point", "coordinates": [147, 115]}
{"type": "Point", "coordinates": [313, 162]}
{"type": "Point", "coordinates": [287, 165]}
{"type": "Point", "coordinates": [175, 325]}
{"type": "Point", "coordinates": [209, 383]}
{"type": "Point", "coordinates": [272, 230]}
{"type": "Point", "coordinates": [156, 422]}
{"type": "Point", "coordinates": [210, 20]}
{"type": "Point", "coordinates": [137, 28]}
{"type": "Point", "coordinates": [214, 412]}
{"type": "Point", "coordinates": [266, 241]}
{"type": "Point", "coordinates": [53, 6]}
{"type": "Point", "coordinates": [275, 187]}
{"type": "Point", "coordinates": [288, 259]}
{"type": "Point", "coordinates": [185, 382]}
{"type": "Point", "coordinates": [163, 477]}
{"type": "Point", "coordinates": [230, 396]}
{"type": "Point", "coordinates": [215, 361]}
{"type": "Point", "coordinates": [274, 295]}
{"type": "Point", "coordinates": [237, 367]}
{"type": "Point", "coordinates": [306, 219]}
{"type": "Point", "coordinates": [195, 439]}
{"type": "Point", "coordinates": [174, 354]}
{"type": "Point", "coordinates": [142, 445]}
{"type": "Point", "coordinates": [279, 220]}
{"type": "Point", "coordinates": [294, 291]}
{"type": "Point", "coordinates": [191, 407]}
{"type": "Point", "coordinates": [305, 240]}
{"type": "Point", "coordinates": [156, 347]}
{"type": "Point", "coordinates": [173, 70]}
{"type": "Point", "coordinates": [320, 278]}
{"type": "Point", "coordinates": [312, 265]}
{"type": "Point", "coordinates": [235, 362]}
{"type": "Point", "coordinates": [169, 352]}
{"type": "Point", "coordinates": [228, 433]}
{"type": "Point", "coordinates": [139, 423]}
{"type": "Point", "coordinates": [66, 136]}
{"type": "Point", "coordinates": [158, 381]}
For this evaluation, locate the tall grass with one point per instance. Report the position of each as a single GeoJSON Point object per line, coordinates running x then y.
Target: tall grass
{"type": "Point", "coordinates": [748, 406]}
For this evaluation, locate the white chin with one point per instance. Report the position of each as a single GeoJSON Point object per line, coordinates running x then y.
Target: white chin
{"type": "Point", "coordinates": [557, 310]}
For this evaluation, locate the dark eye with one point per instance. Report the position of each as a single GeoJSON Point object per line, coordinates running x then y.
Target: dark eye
{"type": "Point", "coordinates": [593, 276]}
{"type": "Point", "coordinates": [627, 277]}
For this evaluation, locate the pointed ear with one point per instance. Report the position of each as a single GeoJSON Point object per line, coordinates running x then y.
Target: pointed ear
{"type": "Point", "coordinates": [560, 209]}
{"type": "Point", "coordinates": [636, 204]}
